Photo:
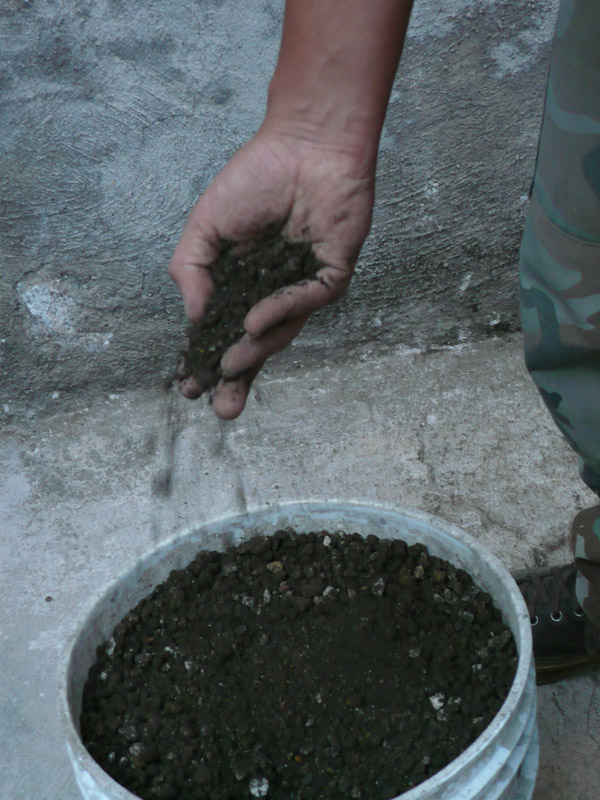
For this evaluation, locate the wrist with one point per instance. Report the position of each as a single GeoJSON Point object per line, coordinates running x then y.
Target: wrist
{"type": "Point", "coordinates": [335, 71]}
{"type": "Point", "coordinates": [303, 135]}
{"type": "Point", "coordinates": [323, 120]}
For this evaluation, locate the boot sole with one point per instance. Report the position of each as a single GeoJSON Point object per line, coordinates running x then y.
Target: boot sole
{"type": "Point", "coordinates": [549, 670]}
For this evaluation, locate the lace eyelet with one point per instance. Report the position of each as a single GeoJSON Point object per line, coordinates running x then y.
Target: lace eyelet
{"type": "Point", "coordinates": [580, 613]}
{"type": "Point", "coordinates": [534, 621]}
{"type": "Point", "coordinates": [557, 618]}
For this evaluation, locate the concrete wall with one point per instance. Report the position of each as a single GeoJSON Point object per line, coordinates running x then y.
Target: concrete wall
{"type": "Point", "coordinates": [115, 115]}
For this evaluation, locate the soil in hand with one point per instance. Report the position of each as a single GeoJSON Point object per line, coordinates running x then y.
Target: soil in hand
{"type": "Point", "coordinates": [294, 667]}
{"type": "Point", "coordinates": [241, 278]}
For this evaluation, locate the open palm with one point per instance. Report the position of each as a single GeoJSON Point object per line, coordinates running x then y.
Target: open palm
{"type": "Point", "coordinates": [318, 193]}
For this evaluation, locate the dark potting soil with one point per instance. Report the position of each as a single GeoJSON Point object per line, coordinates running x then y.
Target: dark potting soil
{"type": "Point", "coordinates": [313, 665]}
{"type": "Point", "coordinates": [241, 279]}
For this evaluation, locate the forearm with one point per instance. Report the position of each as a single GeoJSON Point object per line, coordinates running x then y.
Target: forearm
{"type": "Point", "coordinates": [336, 68]}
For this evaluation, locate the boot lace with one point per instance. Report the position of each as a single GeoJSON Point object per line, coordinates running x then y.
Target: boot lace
{"type": "Point", "coordinates": [539, 592]}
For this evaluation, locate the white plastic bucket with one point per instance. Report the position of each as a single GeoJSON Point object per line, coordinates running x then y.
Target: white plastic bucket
{"type": "Point", "coordinates": [501, 764]}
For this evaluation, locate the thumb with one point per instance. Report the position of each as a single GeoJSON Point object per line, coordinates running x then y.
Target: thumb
{"type": "Point", "coordinates": [198, 248]}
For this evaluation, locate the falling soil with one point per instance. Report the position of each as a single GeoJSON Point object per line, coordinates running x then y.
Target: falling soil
{"type": "Point", "coordinates": [241, 278]}
{"type": "Point", "coordinates": [298, 666]}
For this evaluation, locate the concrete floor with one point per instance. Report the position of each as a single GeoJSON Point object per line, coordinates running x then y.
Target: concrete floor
{"type": "Point", "coordinates": [459, 432]}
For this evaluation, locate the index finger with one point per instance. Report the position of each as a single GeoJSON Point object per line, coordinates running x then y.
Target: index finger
{"type": "Point", "coordinates": [296, 301]}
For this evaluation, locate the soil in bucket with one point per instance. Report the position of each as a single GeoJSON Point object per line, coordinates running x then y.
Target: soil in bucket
{"type": "Point", "coordinates": [297, 666]}
{"type": "Point", "coordinates": [241, 278]}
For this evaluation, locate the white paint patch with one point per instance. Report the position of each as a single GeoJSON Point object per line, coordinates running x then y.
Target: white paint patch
{"type": "Point", "coordinates": [465, 282]}
{"type": "Point", "coordinates": [49, 307]}
{"type": "Point", "coordinates": [403, 350]}
{"type": "Point", "coordinates": [437, 18]}
{"type": "Point", "coordinates": [518, 53]}
{"type": "Point", "coordinates": [431, 189]}
{"type": "Point", "coordinates": [55, 312]}
{"type": "Point", "coordinates": [510, 58]}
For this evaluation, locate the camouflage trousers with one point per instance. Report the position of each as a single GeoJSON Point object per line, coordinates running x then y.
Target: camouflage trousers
{"type": "Point", "coordinates": [560, 266]}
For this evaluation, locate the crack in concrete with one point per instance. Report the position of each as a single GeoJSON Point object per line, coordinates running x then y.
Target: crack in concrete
{"type": "Point", "coordinates": [422, 453]}
{"type": "Point", "coordinates": [593, 706]}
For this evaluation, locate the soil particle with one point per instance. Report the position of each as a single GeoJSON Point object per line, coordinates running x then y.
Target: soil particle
{"type": "Point", "coordinates": [350, 677]}
{"type": "Point", "coordinates": [241, 277]}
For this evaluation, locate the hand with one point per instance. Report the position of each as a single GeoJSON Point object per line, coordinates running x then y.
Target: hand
{"type": "Point", "coordinates": [318, 191]}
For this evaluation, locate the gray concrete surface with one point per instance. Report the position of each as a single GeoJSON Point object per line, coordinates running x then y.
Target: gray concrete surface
{"type": "Point", "coordinates": [114, 117]}
{"type": "Point", "coordinates": [458, 432]}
